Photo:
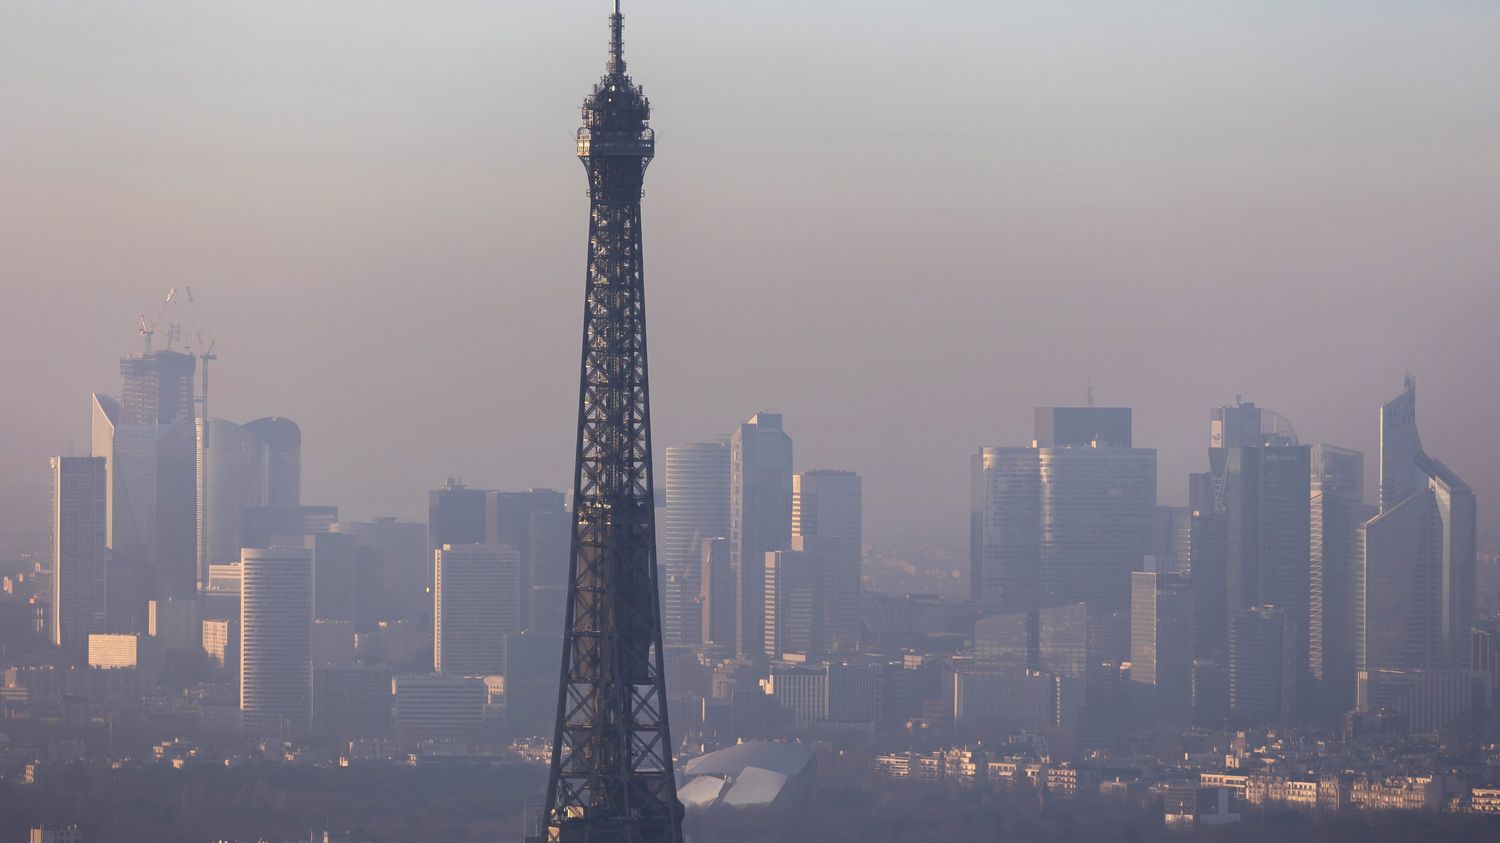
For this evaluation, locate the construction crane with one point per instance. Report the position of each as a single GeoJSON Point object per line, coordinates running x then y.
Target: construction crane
{"type": "Point", "coordinates": [149, 328]}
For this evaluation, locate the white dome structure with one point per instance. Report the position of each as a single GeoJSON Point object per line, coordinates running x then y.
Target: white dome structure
{"type": "Point", "coordinates": [756, 774]}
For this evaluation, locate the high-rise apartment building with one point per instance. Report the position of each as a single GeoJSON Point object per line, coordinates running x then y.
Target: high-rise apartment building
{"type": "Point", "coordinates": [827, 507]}
{"type": "Point", "coordinates": [477, 600]}
{"type": "Point", "coordinates": [1161, 642]}
{"type": "Point", "coordinates": [1414, 604]}
{"type": "Point", "coordinates": [760, 517]}
{"type": "Point", "coordinates": [697, 510]}
{"type": "Point", "coordinates": [276, 616]}
{"type": "Point", "coordinates": [1068, 521]}
{"type": "Point", "coordinates": [79, 554]}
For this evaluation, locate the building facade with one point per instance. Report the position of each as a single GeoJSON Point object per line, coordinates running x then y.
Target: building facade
{"type": "Point", "coordinates": [1161, 643]}
{"type": "Point", "coordinates": [1066, 520]}
{"type": "Point", "coordinates": [79, 554]}
{"type": "Point", "coordinates": [276, 616]}
{"type": "Point", "coordinates": [760, 518]}
{"type": "Point", "coordinates": [477, 600]}
{"type": "Point", "coordinates": [1417, 573]}
{"type": "Point", "coordinates": [697, 510]}
{"type": "Point", "coordinates": [827, 507]}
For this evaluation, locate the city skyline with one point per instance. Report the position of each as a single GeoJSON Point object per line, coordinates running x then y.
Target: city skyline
{"type": "Point", "coordinates": [756, 620]}
{"type": "Point", "coordinates": [1363, 225]}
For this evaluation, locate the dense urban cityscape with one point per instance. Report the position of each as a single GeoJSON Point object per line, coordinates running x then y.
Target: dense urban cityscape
{"type": "Point", "coordinates": [1308, 649]}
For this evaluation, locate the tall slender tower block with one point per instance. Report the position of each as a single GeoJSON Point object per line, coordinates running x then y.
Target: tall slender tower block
{"type": "Point", "coordinates": [611, 777]}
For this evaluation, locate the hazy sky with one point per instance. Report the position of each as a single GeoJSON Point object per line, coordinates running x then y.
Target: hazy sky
{"type": "Point", "coordinates": [902, 224]}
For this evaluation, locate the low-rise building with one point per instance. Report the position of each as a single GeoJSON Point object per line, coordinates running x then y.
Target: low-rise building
{"type": "Point", "coordinates": [1397, 793]}
{"type": "Point", "coordinates": [895, 766]}
{"type": "Point", "coordinates": [1235, 782]}
{"type": "Point", "coordinates": [1485, 800]}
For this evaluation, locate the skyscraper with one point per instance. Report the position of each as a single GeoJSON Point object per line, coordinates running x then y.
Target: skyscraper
{"type": "Point", "coordinates": [455, 515]}
{"type": "Point", "coordinates": [1399, 447]}
{"type": "Point", "coordinates": [1252, 517]}
{"type": "Point", "coordinates": [826, 505]}
{"type": "Point", "coordinates": [280, 442]}
{"type": "Point", "coordinates": [1209, 563]}
{"type": "Point", "coordinates": [158, 388]}
{"type": "Point", "coordinates": [1416, 580]}
{"type": "Point", "coordinates": [1067, 522]}
{"type": "Point", "coordinates": [1054, 639]}
{"type": "Point", "coordinates": [760, 517]}
{"type": "Point", "coordinates": [401, 547]}
{"type": "Point", "coordinates": [158, 391]}
{"type": "Point", "coordinates": [611, 777]}
{"type": "Point", "coordinates": [79, 554]}
{"type": "Point", "coordinates": [276, 616]}
{"type": "Point", "coordinates": [150, 446]}
{"type": "Point", "coordinates": [796, 606]}
{"type": "Point", "coordinates": [535, 523]}
{"type": "Point", "coordinates": [1172, 544]}
{"type": "Point", "coordinates": [477, 599]}
{"type": "Point", "coordinates": [1262, 665]}
{"type": "Point", "coordinates": [1083, 427]}
{"type": "Point", "coordinates": [697, 509]}
{"type": "Point", "coordinates": [1336, 515]}
{"type": "Point", "coordinates": [717, 597]}
{"type": "Point", "coordinates": [1005, 572]}
{"type": "Point", "coordinates": [235, 481]}
{"type": "Point", "coordinates": [1161, 642]}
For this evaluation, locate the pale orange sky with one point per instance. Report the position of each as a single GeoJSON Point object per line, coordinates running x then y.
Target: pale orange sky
{"type": "Point", "coordinates": [903, 225]}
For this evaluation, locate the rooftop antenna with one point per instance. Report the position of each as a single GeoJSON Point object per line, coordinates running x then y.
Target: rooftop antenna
{"type": "Point", "coordinates": [1091, 394]}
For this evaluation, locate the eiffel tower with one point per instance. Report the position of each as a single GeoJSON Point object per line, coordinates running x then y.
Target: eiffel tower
{"type": "Point", "coordinates": [612, 778]}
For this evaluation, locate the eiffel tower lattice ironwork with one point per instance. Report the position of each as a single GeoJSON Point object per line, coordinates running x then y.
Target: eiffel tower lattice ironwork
{"type": "Point", "coordinates": [612, 779]}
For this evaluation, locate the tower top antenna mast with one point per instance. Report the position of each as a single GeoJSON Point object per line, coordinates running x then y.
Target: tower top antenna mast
{"type": "Point", "coordinates": [617, 40]}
